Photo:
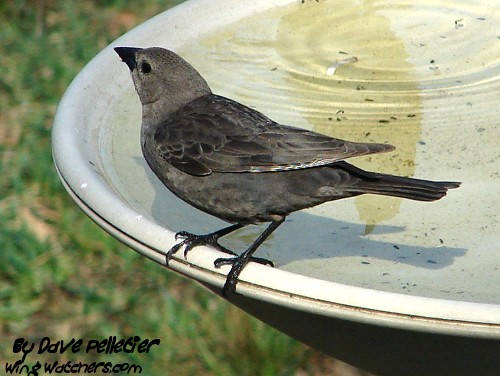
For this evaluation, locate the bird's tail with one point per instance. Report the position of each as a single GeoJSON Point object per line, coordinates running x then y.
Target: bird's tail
{"type": "Point", "coordinates": [398, 186]}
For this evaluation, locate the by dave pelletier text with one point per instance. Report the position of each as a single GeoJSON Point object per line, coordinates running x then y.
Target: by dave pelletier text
{"type": "Point", "coordinates": [31, 352]}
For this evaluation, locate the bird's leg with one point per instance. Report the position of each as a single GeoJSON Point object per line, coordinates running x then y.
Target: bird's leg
{"type": "Point", "coordinates": [191, 240]}
{"type": "Point", "coordinates": [239, 262]}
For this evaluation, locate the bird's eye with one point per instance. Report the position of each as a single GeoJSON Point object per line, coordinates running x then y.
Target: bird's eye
{"type": "Point", "coordinates": [145, 67]}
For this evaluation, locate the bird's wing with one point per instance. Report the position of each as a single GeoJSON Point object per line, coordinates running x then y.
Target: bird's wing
{"type": "Point", "coordinates": [216, 134]}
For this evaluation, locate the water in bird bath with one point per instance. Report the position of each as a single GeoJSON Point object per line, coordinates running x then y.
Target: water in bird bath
{"type": "Point", "coordinates": [424, 77]}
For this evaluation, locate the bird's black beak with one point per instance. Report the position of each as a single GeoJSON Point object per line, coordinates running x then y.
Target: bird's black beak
{"type": "Point", "coordinates": [128, 55]}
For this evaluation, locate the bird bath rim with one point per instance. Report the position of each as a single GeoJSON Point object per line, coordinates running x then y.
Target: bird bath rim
{"type": "Point", "coordinates": [77, 151]}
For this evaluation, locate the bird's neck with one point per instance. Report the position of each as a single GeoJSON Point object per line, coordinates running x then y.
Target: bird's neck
{"type": "Point", "coordinates": [154, 113]}
{"type": "Point", "coordinates": [148, 129]}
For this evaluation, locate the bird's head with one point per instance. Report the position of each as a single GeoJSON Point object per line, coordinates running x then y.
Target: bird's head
{"type": "Point", "coordinates": [162, 78]}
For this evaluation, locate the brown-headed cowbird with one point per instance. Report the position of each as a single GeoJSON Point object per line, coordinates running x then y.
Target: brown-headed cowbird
{"type": "Point", "coordinates": [235, 163]}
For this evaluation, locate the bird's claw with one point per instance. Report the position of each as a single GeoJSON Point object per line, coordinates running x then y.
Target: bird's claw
{"type": "Point", "coordinates": [231, 260]}
{"type": "Point", "coordinates": [237, 264]}
{"type": "Point", "coordinates": [184, 234]}
{"type": "Point", "coordinates": [192, 240]}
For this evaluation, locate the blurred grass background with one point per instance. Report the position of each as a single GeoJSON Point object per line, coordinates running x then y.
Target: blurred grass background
{"type": "Point", "coordinates": [63, 277]}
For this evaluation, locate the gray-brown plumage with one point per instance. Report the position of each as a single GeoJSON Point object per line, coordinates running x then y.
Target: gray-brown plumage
{"type": "Point", "coordinates": [235, 163]}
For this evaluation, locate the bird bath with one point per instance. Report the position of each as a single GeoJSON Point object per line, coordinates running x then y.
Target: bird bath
{"type": "Point", "coordinates": [391, 286]}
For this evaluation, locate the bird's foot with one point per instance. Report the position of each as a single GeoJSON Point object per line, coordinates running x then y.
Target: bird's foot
{"type": "Point", "coordinates": [192, 240]}
{"type": "Point", "coordinates": [237, 264]}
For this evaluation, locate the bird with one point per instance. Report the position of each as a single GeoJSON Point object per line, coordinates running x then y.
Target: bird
{"type": "Point", "coordinates": [233, 162]}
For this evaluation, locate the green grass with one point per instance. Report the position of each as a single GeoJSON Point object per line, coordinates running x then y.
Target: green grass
{"type": "Point", "coordinates": [63, 277]}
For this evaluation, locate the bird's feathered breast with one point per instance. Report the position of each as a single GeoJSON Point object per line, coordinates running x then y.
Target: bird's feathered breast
{"type": "Point", "coordinates": [216, 134]}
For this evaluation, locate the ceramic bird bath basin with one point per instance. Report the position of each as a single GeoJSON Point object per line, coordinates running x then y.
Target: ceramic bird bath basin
{"type": "Point", "coordinates": [391, 286]}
